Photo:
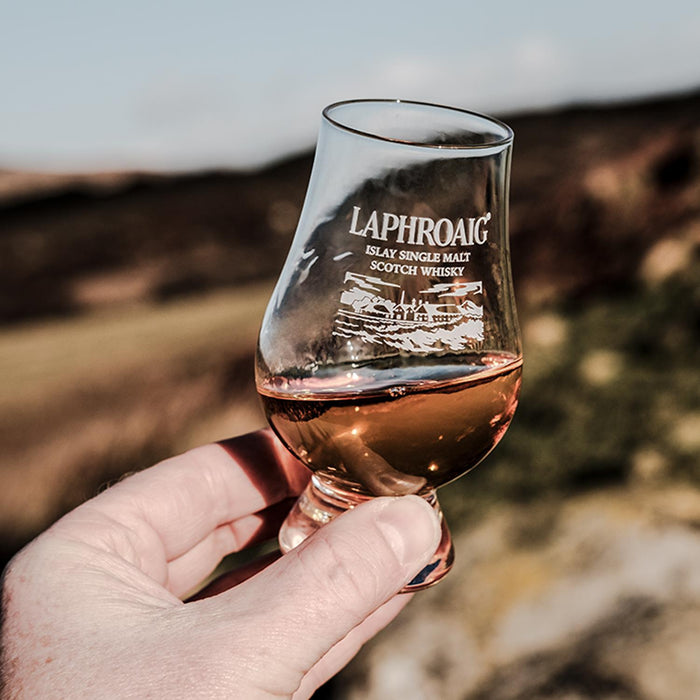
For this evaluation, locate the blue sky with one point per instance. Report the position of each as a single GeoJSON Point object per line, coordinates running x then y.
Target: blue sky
{"type": "Point", "coordinates": [94, 85]}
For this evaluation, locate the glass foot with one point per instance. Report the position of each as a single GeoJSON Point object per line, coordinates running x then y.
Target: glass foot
{"type": "Point", "coordinates": [319, 504]}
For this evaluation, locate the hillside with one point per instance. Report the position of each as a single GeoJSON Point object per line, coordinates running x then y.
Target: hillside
{"type": "Point", "coordinates": [592, 190]}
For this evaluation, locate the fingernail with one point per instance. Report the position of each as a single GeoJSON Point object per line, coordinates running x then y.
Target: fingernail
{"type": "Point", "coordinates": [411, 528]}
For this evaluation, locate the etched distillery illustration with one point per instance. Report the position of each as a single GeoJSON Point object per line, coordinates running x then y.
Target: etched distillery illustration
{"type": "Point", "coordinates": [422, 323]}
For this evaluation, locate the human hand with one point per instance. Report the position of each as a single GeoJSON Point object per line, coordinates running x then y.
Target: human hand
{"type": "Point", "coordinates": [92, 608]}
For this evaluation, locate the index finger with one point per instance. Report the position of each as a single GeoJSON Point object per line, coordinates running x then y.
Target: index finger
{"type": "Point", "coordinates": [159, 514]}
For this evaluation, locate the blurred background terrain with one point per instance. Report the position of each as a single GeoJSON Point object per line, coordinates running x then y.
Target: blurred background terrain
{"type": "Point", "coordinates": [134, 274]}
{"type": "Point", "coordinates": [130, 306]}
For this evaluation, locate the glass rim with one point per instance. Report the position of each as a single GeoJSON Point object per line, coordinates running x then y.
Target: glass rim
{"type": "Point", "coordinates": [497, 141]}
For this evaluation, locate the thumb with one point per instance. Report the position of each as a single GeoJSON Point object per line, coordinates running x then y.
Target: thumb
{"type": "Point", "coordinates": [321, 590]}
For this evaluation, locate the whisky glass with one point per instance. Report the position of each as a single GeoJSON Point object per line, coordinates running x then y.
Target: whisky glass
{"type": "Point", "coordinates": [389, 358]}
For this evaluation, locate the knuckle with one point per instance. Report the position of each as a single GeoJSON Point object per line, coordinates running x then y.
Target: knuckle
{"type": "Point", "coordinates": [346, 572]}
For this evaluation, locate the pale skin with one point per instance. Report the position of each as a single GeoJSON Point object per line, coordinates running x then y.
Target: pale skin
{"type": "Point", "coordinates": [93, 608]}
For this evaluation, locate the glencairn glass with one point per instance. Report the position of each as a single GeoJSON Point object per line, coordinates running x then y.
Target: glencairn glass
{"type": "Point", "coordinates": [389, 358]}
